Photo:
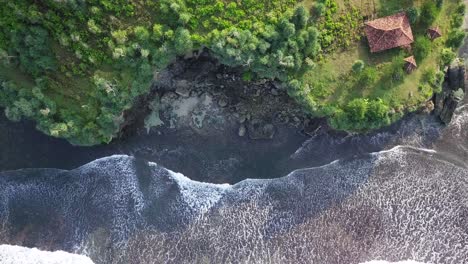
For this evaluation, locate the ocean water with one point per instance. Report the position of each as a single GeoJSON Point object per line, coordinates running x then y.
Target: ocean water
{"type": "Point", "coordinates": [405, 202]}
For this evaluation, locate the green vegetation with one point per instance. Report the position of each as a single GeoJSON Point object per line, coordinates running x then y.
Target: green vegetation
{"type": "Point", "coordinates": [349, 84]}
{"type": "Point", "coordinates": [75, 66]}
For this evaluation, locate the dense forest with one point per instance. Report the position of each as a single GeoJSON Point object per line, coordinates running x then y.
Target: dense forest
{"type": "Point", "coordinates": [74, 66]}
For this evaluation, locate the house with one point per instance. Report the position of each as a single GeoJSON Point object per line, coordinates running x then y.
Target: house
{"type": "Point", "coordinates": [410, 64]}
{"type": "Point", "coordinates": [434, 33]}
{"type": "Point", "coordinates": [389, 32]}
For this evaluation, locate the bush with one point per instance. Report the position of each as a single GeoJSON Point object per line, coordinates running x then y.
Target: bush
{"type": "Point", "coordinates": [429, 76]}
{"type": "Point", "coordinates": [413, 14]}
{"type": "Point", "coordinates": [141, 33]}
{"type": "Point", "coordinates": [361, 113]}
{"type": "Point", "coordinates": [461, 9]}
{"type": "Point", "coordinates": [318, 9]}
{"type": "Point", "coordinates": [182, 41]}
{"type": "Point", "coordinates": [422, 48]}
{"type": "Point", "coordinates": [447, 56]}
{"type": "Point", "coordinates": [433, 79]}
{"type": "Point", "coordinates": [429, 13]}
{"type": "Point", "coordinates": [356, 109]}
{"type": "Point", "coordinates": [300, 17]}
{"type": "Point", "coordinates": [368, 76]}
{"type": "Point", "coordinates": [397, 73]}
{"type": "Point", "coordinates": [358, 66]}
{"type": "Point", "coordinates": [457, 21]}
{"type": "Point", "coordinates": [455, 38]}
{"type": "Point", "coordinates": [378, 112]}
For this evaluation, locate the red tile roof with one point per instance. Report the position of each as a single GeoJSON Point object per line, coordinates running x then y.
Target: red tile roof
{"type": "Point", "coordinates": [411, 60]}
{"type": "Point", "coordinates": [434, 33]}
{"type": "Point", "coordinates": [389, 32]}
{"type": "Point", "coordinates": [410, 64]}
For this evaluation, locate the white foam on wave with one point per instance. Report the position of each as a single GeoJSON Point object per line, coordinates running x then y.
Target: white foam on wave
{"type": "Point", "coordinates": [317, 167]}
{"type": "Point", "coordinates": [459, 121]}
{"type": "Point", "coordinates": [401, 147]}
{"type": "Point", "coordinates": [123, 179]}
{"type": "Point", "coordinates": [199, 196]}
{"type": "Point", "coordinates": [386, 262]}
{"type": "Point", "coordinates": [22, 255]}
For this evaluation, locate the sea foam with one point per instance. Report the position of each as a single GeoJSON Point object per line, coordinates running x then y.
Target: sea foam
{"type": "Point", "coordinates": [22, 255]}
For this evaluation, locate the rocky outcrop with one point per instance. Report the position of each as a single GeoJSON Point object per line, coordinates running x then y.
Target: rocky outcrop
{"type": "Point", "coordinates": [447, 101]}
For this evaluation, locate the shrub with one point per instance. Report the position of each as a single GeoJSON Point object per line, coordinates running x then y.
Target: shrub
{"type": "Point", "coordinates": [182, 41]}
{"type": "Point", "coordinates": [13, 114]}
{"type": "Point", "coordinates": [396, 72]}
{"type": "Point", "coordinates": [429, 76]}
{"type": "Point", "coordinates": [429, 13]}
{"type": "Point", "coordinates": [455, 38]}
{"type": "Point", "coordinates": [361, 113]}
{"type": "Point", "coordinates": [318, 9]}
{"type": "Point", "coordinates": [300, 17]}
{"type": "Point", "coordinates": [141, 33]}
{"type": "Point", "coordinates": [294, 88]}
{"type": "Point", "coordinates": [413, 14]}
{"type": "Point", "coordinates": [447, 56]}
{"type": "Point", "coordinates": [422, 47]}
{"type": "Point", "coordinates": [368, 76]}
{"type": "Point", "coordinates": [120, 36]}
{"type": "Point", "coordinates": [378, 112]}
{"type": "Point", "coordinates": [356, 109]}
{"type": "Point", "coordinates": [461, 9]}
{"type": "Point", "coordinates": [439, 80]}
{"type": "Point", "coordinates": [358, 66]}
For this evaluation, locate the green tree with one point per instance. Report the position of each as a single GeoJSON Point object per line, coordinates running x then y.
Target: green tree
{"type": "Point", "coordinates": [368, 76]}
{"type": "Point", "coordinates": [141, 33]}
{"type": "Point", "coordinates": [413, 14]}
{"type": "Point", "coordinates": [447, 56]}
{"type": "Point", "coordinates": [429, 13]}
{"type": "Point", "coordinates": [455, 38]}
{"type": "Point", "coordinates": [378, 112]}
{"type": "Point", "coordinates": [422, 48]}
{"type": "Point", "coordinates": [300, 17]}
{"type": "Point", "coordinates": [32, 45]}
{"type": "Point", "coordinates": [287, 29]}
{"type": "Point", "coordinates": [13, 114]}
{"type": "Point", "coordinates": [356, 109]}
{"type": "Point", "coordinates": [182, 41]}
{"type": "Point", "coordinates": [120, 36]}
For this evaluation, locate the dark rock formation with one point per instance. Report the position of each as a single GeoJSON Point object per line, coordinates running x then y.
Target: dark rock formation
{"type": "Point", "coordinates": [447, 101]}
{"type": "Point", "coordinates": [259, 129]}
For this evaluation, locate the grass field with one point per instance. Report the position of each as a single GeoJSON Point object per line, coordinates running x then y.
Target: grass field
{"type": "Point", "coordinates": [332, 80]}
{"type": "Point", "coordinates": [75, 69]}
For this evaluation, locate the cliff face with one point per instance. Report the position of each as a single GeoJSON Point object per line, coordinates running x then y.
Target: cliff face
{"type": "Point", "coordinates": [453, 91]}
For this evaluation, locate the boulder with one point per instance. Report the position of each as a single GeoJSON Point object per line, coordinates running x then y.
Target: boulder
{"type": "Point", "coordinates": [182, 88]}
{"type": "Point", "coordinates": [450, 104]}
{"type": "Point", "coordinates": [447, 101]}
{"type": "Point", "coordinates": [242, 130]}
{"type": "Point", "coordinates": [260, 130]}
{"type": "Point", "coordinates": [222, 102]}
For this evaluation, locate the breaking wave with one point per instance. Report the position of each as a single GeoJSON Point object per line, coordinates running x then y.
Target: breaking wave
{"type": "Point", "coordinates": [21, 255]}
{"type": "Point", "coordinates": [397, 204]}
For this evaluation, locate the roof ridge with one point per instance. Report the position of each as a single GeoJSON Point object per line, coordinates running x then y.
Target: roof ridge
{"type": "Point", "coordinates": [390, 31]}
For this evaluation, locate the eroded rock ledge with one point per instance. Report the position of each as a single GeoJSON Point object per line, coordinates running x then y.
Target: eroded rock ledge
{"type": "Point", "coordinates": [453, 92]}
{"type": "Point", "coordinates": [200, 94]}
